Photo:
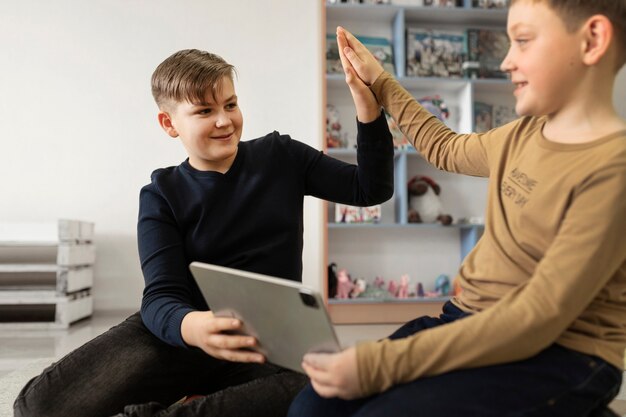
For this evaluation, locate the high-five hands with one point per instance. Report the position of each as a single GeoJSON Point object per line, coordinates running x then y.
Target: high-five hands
{"type": "Point", "coordinates": [358, 57]}
{"type": "Point", "coordinates": [367, 108]}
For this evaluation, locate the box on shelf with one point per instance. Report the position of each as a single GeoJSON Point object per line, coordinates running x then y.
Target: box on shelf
{"type": "Point", "coordinates": [490, 4]}
{"type": "Point", "coordinates": [486, 49]}
{"type": "Point", "coordinates": [351, 214]}
{"type": "Point", "coordinates": [379, 47]}
{"type": "Point", "coordinates": [435, 53]}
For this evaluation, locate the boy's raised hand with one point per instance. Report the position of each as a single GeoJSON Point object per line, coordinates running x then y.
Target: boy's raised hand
{"type": "Point", "coordinates": [367, 68]}
{"type": "Point", "coordinates": [367, 108]}
{"type": "Point", "coordinates": [202, 329]}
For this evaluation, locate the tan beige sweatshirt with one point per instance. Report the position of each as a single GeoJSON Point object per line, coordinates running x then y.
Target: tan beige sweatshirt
{"type": "Point", "coordinates": [551, 265]}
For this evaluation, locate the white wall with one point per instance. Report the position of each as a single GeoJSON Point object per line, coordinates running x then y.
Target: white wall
{"type": "Point", "coordinates": [80, 135]}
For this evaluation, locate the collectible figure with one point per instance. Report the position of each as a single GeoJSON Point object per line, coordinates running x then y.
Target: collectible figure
{"type": "Point", "coordinates": [442, 284]}
{"type": "Point", "coordinates": [332, 280]}
{"type": "Point", "coordinates": [403, 288]}
{"type": "Point", "coordinates": [424, 203]}
{"type": "Point", "coordinates": [344, 284]}
{"type": "Point", "coordinates": [359, 288]}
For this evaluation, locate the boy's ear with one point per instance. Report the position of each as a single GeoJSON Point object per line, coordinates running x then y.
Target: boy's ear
{"type": "Point", "coordinates": [597, 36]}
{"type": "Point", "coordinates": [165, 121]}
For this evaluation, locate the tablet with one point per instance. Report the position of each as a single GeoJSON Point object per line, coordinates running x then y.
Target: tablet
{"type": "Point", "coordinates": [287, 318]}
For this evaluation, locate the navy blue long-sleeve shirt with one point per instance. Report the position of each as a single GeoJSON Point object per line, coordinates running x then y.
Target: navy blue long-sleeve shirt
{"type": "Point", "coordinates": [249, 218]}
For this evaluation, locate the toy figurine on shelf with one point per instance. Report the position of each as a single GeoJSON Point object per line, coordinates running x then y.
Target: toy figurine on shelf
{"type": "Point", "coordinates": [392, 288]}
{"type": "Point", "coordinates": [333, 128]}
{"type": "Point", "coordinates": [424, 203]}
{"type": "Point", "coordinates": [379, 282]}
{"type": "Point", "coordinates": [436, 106]}
{"type": "Point", "coordinates": [442, 285]}
{"type": "Point", "coordinates": [419, 291]}
{"type": "Point", "coordinates": [403, 288]}
{"type": "Point", "coordinates": [332, 280]}
{"type": "Point", "coordinates": [358, 288]}
{"type": "Point", "coordinates": [344, 284]}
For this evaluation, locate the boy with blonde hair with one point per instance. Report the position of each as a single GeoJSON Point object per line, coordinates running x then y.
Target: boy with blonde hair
{"type": "Point", "coordinates": [539, 327]}
{"type": "Point", "coordinates": [236, 204]}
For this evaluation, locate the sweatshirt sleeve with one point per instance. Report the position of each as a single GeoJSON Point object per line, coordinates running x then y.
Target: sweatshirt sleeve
{"type": "Point", "coordinates": [445, 149]}
{"type": "Point", "coordinates": [368, 182]}
{"type": "Point", "coordinates": [166, 296]}
{"type": "Point", "coordinates": [588, 251]}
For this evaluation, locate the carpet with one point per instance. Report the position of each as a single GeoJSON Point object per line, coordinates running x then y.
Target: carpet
{"type": "Point", "coordinates": [12, 383]}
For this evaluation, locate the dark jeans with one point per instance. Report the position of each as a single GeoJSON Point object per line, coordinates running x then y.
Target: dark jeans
{"type": "Point", "coordinates": [128, 370]}
{"type": "Point", "coordinates": [555, 382]}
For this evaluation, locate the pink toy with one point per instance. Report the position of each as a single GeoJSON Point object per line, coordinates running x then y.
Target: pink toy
{"type": "Point", "coordinates": [379, 282]}
{"type": "Point", "coordinates": [392, 288]}
{"type": "Point", "coordinates": [344, 285]}
{"type": "Point", "coordinates": [403, 289]}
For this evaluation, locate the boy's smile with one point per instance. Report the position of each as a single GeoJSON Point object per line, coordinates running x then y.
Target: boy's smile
{"type": "Point", "coordinates": [209, 131]}
{"type": "Point", "coordinates": [543, 60]}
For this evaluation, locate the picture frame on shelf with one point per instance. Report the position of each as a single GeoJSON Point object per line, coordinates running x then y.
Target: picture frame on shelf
{"type": "Point", "coordinates": [435, 53]}
{"type": "Point", "coordinates": [345, 213]}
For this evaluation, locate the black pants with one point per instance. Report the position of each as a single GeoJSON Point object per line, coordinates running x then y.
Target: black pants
{"type": "Point", "coordinates": [128, 371]}
{"type": "Point", "coordinates": [555, 382]}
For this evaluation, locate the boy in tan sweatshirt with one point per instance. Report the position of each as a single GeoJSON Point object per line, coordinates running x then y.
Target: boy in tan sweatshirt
{"type": "Point", "coordinates": [539, 327]}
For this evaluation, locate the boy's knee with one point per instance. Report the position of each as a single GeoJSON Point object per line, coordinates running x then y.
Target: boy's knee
{"type": "Point", "coordinates": [306, 403]}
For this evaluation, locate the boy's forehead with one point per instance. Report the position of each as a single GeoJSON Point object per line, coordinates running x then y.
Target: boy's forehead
{"type": "Point", "coordinates": [223, 90]}
{"type": "Point", "coordinates": [528, 14]}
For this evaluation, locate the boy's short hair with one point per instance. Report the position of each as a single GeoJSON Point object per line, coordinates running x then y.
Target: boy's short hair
{"type": "Point", "coordinates": [575, 12]}
{"type": "Point", "coordinates": [187, 75]}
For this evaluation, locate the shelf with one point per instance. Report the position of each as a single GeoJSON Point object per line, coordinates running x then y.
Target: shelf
{"type": "Point", "coordinates": [394, 246]}
{"type": "Point", "coordinates": [383, 312]}
{"type": "Point", "coordinates": [409, 226]}
{"type": "Point", "coordinates": [437, 83]}
{"type": "Point", "coordinates": [433, 15]}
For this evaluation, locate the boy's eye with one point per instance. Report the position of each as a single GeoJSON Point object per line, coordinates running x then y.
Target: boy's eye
{"type": "Point", "coordinates": [204, 111]}
{"type": "Point", "coordinates": [521, 42]}
{"type": "Point", "coordinates": [231, 105]}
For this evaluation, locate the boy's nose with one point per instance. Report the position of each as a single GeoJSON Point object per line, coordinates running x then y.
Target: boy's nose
{"type": "Point", "coordinates": [222, 120]}
{"type": "Point", "coordinates": [507, 63]}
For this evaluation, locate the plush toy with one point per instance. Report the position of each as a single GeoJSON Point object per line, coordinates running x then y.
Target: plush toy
{"type": "Point", "coordinates": [403, 288]}
{"type": "Point", "coordinates": [332, 280]}
{"type": "Point", "coordinates": [359, 287]}
{"type": "Point", "coordinates": [344, 284]}
{"type": "Point", "coordinates": [424, 203]}
{"type": "Point", "coordinates": [333, 128]}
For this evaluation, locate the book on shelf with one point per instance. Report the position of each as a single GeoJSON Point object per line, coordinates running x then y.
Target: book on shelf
{"type": "Point", "coordinates": [490, 4]}
{"type": "Point", "coordinates": [351, 214]}
{"type": "Point", "coordinates": [435, 53]}
{"type": "Point", "coordinates": [379, 47]}
{"type": "Point", "coordinates": [430, 3]}
{"type": "Point", "coordinates": [483, 117]}
{"type": "Point", "coordinates": [486, 49]}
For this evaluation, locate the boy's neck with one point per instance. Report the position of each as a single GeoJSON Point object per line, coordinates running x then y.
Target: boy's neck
{"type": "Point", "coordinates": [588, 115]}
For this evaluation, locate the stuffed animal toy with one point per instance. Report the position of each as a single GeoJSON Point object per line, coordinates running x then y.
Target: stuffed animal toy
{"type": "Point", "coordinates": [344, 284]}
{"type": "Point", "coordinates": [424, 203]}
{"type": "Point", "coordinates": [359, 287]}
{"type": "Point", "coordinates": [332, 280]}
{"type": "Point", "coordinates": [403, 288]}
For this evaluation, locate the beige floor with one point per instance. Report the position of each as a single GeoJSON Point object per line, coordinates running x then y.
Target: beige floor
{"type": "Point", "coordinates": [27, 350]}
